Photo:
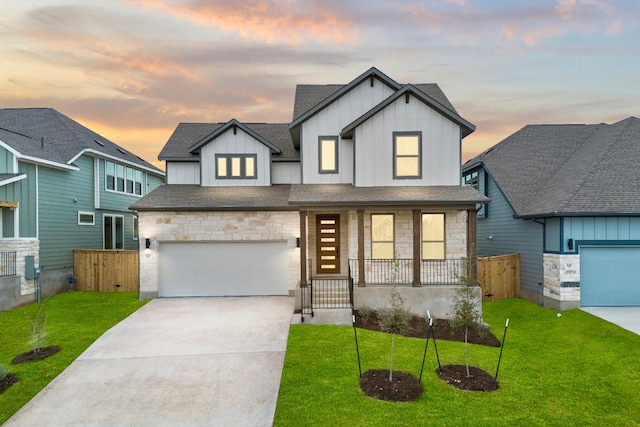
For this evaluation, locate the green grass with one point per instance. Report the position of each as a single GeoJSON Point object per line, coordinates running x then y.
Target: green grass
{"type": "Point", "coordinates": [575, 370]}
{"type": "Point", "coordinates": [74, 321]}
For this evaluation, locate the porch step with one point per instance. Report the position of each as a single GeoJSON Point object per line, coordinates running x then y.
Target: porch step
{"type": "Point", "coordinates": [330, 316]}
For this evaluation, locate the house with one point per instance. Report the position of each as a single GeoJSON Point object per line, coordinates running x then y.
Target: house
{"type": "Point", "coordinates": [362, 184]}
{"type": "Point", "coordinates": [62, 187]}
{"type": "Point", "coordinates": [564, 197]}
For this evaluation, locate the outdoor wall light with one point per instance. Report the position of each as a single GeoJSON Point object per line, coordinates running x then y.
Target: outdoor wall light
{"type": "Point", "coordinates": [570, 244]}
{"type": "Point", "coordinates": [147, 243]}
{"type": "Point", "coordinates": [490, 237]}
{"type": "Point", "coordinates": [297, 242]}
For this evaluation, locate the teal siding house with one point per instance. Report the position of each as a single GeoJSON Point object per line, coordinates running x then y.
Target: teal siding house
{"type": "Point", "coordinates": [62, 187]}
{"type": "Point", "coordinates": [565, 198]}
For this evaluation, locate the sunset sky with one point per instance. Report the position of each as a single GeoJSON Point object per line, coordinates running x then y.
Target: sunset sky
{"type": "Point", "coordinates": [131, 70]}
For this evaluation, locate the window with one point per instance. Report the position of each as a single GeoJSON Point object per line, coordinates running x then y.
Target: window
{"type": "Point", "coordinates": [113, 232]}
{"type": "Point", "coordinates": [433, 236]}
{"type": "Point", "coordinates": [407, 148]}
{"type": "Point", "coordinates": [236, 166]}
{"type": "Point", "coordinates": [86, 218]}
{"type": "Point", "coordinates": [471, 179]}
{"type": "Point", "coordinates": [382, 236]}
{"type": "Point", "coordinates": [328, 154]}
{"type": "Point", "coordinates": [123, 179]}
{"type": "Point", "coordinates": [135, 227]}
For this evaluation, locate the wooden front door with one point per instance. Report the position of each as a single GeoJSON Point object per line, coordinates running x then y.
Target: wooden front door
{"type": "Point", "coordinates": [328, 243]}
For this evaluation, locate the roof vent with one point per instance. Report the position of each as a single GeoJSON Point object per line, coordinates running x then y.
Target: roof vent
{"type": "Point", "coordinates": [121, 150]}
{"type": "Point", "coordinates": [98, 142]}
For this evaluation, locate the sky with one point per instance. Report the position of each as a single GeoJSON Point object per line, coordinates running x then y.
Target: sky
{"type": "Point", "coordinates": [131, 70]}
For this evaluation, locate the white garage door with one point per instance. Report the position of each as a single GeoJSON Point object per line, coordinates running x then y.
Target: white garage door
{"type": "Point", "coordinates": [222, 269]}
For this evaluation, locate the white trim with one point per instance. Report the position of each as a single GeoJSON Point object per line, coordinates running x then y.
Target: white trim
{"type": "Point", "coordinates": [96, 183]}
{"type": "Point", "coordinates": [10, 149]}
{"type": "Point", "coordinates": [37, 202]}
{"type": "Point", "coordinates": [93, 216]}
{"type": "Point", "coordinates": [114, 158]}
{"type": "Point", "coordinates": [48, 163]}
{"type": "Point", "coordinates": [134, 220]}
{"type": "Point", "coordinates": [12, 180]}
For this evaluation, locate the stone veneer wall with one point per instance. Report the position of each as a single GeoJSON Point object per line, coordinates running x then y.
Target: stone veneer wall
{"type": "Point", "coordinates": [214, 227]}
{"type": "Point", "coordinates": [23, 247]}
{"type": "Point", "coordinates": [561, 281]}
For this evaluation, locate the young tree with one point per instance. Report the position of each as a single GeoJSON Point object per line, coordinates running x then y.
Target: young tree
{"type": "Point", "coordinates": [38, 328]}
{"type": "Point", "coordinates": [466, 312]}
{"type": "Point", "coordinates": [394, 319]}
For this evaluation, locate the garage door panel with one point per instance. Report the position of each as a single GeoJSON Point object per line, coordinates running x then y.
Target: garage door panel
{"type": "Point", "coordinates": [222, 269]}
{"type": "Point", "coordinates": [609, 276]}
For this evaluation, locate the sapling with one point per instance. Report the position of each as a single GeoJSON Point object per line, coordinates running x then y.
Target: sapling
{"type": "Point", "coordinates": [466, 312]}
{"type": "Point", "coordinates": [394, 319]}
{"type": "Point", "coordinates": [38, 328]}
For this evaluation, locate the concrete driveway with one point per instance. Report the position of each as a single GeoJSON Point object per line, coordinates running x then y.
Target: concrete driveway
{"type": "Point", "coordinates": [175, 362]}
{"type": "Point", "coordinates": [625, 317]}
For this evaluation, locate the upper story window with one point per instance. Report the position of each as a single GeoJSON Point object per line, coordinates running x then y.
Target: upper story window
{"type": "Point", "coordinates": [123, 179]}
{"type": "Point", "coordinates": [328, 154]}
{"type": "Point", "coordinates": [433, 236]}
{"type": "Point", "coordinates": [382, 236]}
{"type": "Point", "coordinates": [236, 166]}
{"type": "Point", "coordinates": [471, 179]}
{"type": "Point", "coordinates": [407, 153]}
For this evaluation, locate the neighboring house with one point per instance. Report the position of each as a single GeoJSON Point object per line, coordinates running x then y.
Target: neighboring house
{"type": "Point", "coordinates": [366, 172]}
{"type": "Point", "coordinates": [566, 198]}
{"type": "Point", "coordinates": [62, 187]}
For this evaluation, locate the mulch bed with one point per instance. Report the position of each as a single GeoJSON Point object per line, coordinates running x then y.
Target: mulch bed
{"type": "Point", "coordinates": [375, 383]}
{"type": "Point", "coordinates": [404, 387]}
{"type": "Point", "coordinates": [419, 327]}
{"type": "Point", "coordinates": [7, 382]}
{"type": "Point", "coordinates": [32, 356]}
{"type": "Point", "coordinates": [478, 380]}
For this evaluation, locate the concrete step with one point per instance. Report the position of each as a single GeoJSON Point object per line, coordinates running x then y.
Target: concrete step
{"type": "Point", "coordinates": [329, 316]}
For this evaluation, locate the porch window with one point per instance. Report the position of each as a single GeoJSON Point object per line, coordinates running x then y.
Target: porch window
{"type": "Point", "coordinates": [382, 236]}
{"type": "Point", "coordinates": [236, 166]}
{"type": "Point", "coordinates": [407, 153]}
{"type": "Point", "coordinates": [433, 236]}
{"type": "Point", "coordinates": [328, 154]}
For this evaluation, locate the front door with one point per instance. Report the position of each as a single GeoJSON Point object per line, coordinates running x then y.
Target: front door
{"type": "Point", "coordinates": [328, 243]}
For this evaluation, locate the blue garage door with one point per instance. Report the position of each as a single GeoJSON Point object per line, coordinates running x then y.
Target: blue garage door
{"type": "Point", "coordinates": [609, 276]}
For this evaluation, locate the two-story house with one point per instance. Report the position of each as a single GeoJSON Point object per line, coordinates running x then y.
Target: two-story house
{"type": "Point", "coordinates": [62, 187]}
{"type": "Point", "coordinates": [362, 187]}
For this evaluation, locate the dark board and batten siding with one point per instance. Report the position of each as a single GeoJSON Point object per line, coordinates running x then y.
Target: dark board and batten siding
{"type": "Point", "coordinates": [510, 236]}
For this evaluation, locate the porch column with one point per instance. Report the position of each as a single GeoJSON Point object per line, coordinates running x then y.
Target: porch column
{"type": "Point", "coordinates": [361, 280]}
{"type": "Point", "coordinates": [303, 249]}
{"type": "Point", "coordinates": [471, 241]}
{"type": "Point", "coordinates": [417, 242]}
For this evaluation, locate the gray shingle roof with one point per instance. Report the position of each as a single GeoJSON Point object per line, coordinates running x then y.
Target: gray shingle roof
{"type": "Point", "coordinates": [546, 170]}
{"type": "Point", "coordinates": [348, 195]}
{"type": "Point", "coordinates": [46, 134]}
{"type": "Point", "coordinates": [196, 198]}
{"type": "Point", "coordinates": [290, 197]}
{"type": "Point", "coordinates": [187, 134]}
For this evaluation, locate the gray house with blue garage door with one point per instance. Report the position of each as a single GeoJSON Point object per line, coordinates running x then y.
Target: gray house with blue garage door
{"type": "Point", "coordinates": [566, 197]}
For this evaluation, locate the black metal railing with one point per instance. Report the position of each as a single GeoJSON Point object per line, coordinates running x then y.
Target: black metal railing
{"type": "Point", "coordinates": [400, 271]}
{"type": "Point", "coordinates": [331, 293]}
{"type": "Point", "coordinates": [8, 264]}
{"type": "Point", "coordinates": [306, 294]}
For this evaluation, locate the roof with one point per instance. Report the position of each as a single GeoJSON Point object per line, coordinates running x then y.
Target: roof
{"type": "Point", "coordinates": [8, 178]}
{"type": "Point", "coordinates": [45, 135]}
{"type": "Point", "coordinates": [180, 146]}
{"type": "Point", "coordinates": [310, 99]}
{"type": "Point", "coordinates": [556, 170]}
{"type": "Point", "coordinates": [290, 197]}
{"type": "Point", "coordinates": [171, 197]}
{"type": "Point", "coordinates": [466, 126]}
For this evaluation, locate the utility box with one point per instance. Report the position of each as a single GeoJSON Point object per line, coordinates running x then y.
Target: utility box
{"type": "Point", "coordinates": [29, 267]}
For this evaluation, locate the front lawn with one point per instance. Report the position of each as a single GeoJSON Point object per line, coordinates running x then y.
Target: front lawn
{"type": "Point", "coordinates": [573, 370]}
{"type": "Point", "coordinates": [74, 321]}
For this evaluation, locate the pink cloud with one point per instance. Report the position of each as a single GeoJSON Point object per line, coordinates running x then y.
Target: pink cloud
{"type": "Point", "coordinates": [275, 21]}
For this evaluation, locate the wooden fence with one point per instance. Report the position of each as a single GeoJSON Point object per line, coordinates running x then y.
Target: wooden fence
{"type": "Point", "coordinates": [105, 271]}
{"type": "Point", "coordinates": [499, 276]}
